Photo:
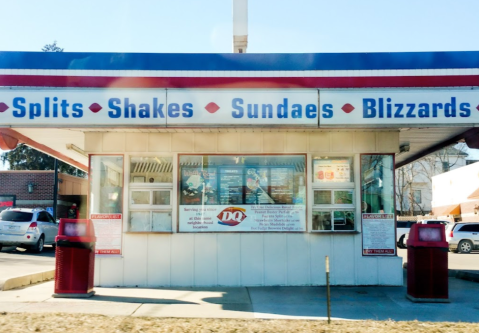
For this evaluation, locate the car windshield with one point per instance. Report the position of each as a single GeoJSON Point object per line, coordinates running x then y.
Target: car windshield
{"type": "Point", "coordinates": [13, 216]}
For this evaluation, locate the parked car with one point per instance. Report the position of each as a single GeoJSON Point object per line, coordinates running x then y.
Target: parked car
{"type": "Point", "coordinates": [463, 237]}
{"type": "Point", "coordinates": [428, 221]}
{"type": "Point", "coordinates": [434, 221]}
{"type": "Point", "coordinates": [27, 228]}
{"type": "Point", "coordinates": [402, 232]}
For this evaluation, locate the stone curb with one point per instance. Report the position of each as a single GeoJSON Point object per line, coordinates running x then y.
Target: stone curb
{"type": "Point", "coordinates": [458, 274]}
{"type": "Point", "coordinates": [25, 280]}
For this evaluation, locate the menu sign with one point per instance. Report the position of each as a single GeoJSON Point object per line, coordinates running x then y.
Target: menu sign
{"type": "Point", "coordinates": [231, 186]}
{"type": "Point", "coordinates": [379, 234]}
{"type": "Point", "coordinates": [332, 171]}
{"type": "Point", "coordinates": [108, 229]}
{"type": "Point", "coordinates": [282, 185]}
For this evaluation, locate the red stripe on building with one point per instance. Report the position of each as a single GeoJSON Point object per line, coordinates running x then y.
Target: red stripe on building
{"type": "Point", "coordinates": [239, 82]}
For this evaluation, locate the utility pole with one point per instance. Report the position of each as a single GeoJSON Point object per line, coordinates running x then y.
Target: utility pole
{"type": "Point", "coordinates": [55, 191]}
{"type": "Point", "coordinates": [240, 26]}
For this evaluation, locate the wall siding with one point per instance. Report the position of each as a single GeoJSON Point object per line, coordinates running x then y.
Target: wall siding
{"type": "Point", "coordinates": [244, 259]}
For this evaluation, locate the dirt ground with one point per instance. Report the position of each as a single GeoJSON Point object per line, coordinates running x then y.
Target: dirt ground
{"type": "Point", "coordinates": [84, 323]}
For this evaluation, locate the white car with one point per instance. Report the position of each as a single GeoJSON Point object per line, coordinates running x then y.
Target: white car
{"type": "Point", "coordinates": [429, 221]}
{"type": "Point", "coordinates": [402, 232]}
{"type": "Point", "coordinates": [27, 228]}
{"type": "Point", "coordinates": [463, 237]}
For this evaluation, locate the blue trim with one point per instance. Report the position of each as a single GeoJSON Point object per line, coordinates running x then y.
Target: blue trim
{"type": "Point", "coordinates": [238, 62]}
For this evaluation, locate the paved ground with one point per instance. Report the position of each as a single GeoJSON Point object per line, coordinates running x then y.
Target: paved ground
{"type": "Point", "coordinates": [457, 261]}
{"type": "Point", "coordinates": [349, 303]}
{"type": "Point", "coordinates": [16, 262]}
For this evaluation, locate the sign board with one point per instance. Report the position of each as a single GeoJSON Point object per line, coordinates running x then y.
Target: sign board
{"type": "Point", "coordinates": [108, 231]}
{"type": "Point", "coordinates": [70, 107]}
{"type": "Point", "coordinates": [260, 218]}
{"type": "Point", "coordinates": [379, 234]}
{"type": "Point", "coordinates": [7, 201]}
{"type": "Point", "coordinates": [332, 171]}
{"type": "Point", "coordinates": [395, 107]}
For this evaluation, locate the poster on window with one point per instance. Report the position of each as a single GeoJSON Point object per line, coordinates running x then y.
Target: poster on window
{"type": "Point", "coordinates": [108, 230]}
{"type": "Point", "coordinates": [379, 234]}
{"type": "Point", "coordinates": [332, 171]}
{"type": "Point", "coordinates": [7, 201]}
{"type": "Point", "coordinates": [254, 218]}
{"type": "Point", "coordinates": [198, 186]}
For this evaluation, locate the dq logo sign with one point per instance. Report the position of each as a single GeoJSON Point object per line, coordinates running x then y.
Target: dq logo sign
{"type": "Point", "coordinates": [231, 216]}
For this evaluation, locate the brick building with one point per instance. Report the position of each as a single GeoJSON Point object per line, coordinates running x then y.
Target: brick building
{"type": "Point", "coordinates": [30, 189]}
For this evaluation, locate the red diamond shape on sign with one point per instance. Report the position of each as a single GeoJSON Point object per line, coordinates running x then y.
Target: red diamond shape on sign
{"type": "Point", "coordinates": [477, 107]}
{"type": "Point", "coordinates": [347, 108]}
{"type": "Point", "coordinates": [212, 107]}
{"type": "Point", "coordinates": [95, 107]}
{"type": "Point", "coordinates": [3, 107]}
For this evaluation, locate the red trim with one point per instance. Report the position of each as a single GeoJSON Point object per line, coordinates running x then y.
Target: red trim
{"type": "Point", "coordinates": [239, 82]}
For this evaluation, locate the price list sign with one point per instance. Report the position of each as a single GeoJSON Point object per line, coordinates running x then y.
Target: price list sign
{"type": "Point", "coordinates": [379, 234]}
{"type": "Point", "coordinates": [108, 229]}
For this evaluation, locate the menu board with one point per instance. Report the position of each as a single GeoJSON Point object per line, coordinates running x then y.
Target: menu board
{"type": "Point", "coordinates": [379, 234]}
{"type": "Point", "coordinates": [231, 186]}
{"type": "Point", "coordinates": [332, 171]}
{"type": "Point", "coordinates": [282, 185]}
{"type": "Point", "coordinates": [256, 189]}
{"type": "Point", "coordinates": [199, 186]}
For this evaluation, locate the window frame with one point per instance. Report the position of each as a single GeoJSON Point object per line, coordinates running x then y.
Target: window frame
{"type": "Point", "coordinates": [333, 187]}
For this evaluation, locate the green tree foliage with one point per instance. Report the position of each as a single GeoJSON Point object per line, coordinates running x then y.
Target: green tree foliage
{"type": "Point", "coordinates": [24, 157]}
{"type": "Point", "coordinates": [52, 48]}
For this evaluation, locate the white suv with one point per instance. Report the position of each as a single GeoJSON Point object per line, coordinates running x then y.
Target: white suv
{"type": "Point", "coordinates": [27, 228]}
{"type": "Point", "coordinates": [463, 237]}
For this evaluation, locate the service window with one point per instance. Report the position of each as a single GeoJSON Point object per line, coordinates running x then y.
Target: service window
{"type": "Point", "coordinates": [248, 193]}
{"type": "Point", "coordinates": [333, 194]}
{"type": "Point", "coordinates": [151, 182]}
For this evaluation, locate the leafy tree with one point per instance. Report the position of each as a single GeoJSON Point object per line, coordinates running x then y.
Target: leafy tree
{"type": "Point", "coordinates": [24, 157]}
{"type": "Point", "coordinates": [52, 48]}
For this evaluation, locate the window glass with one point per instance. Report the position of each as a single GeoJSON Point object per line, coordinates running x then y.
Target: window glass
{"type": "Point", "coordinates": [322, 220]}
{"type": "Point", "coordinates": [140, 197]}
{"type": "Point", "coordinates": [161, 221]}
{"type": "Point", "coordinates": [106, 184]}
{"type": "Point", "coordinates": [140, 221]}
{"type": "Point", "coordinates": [343, 220]}
{"type": "Point", "coordinates": [343, 197]}
{"type": "Point", "coordinates": [377, 183]}
{"type": "Point", "coordinates": [227, 193]}
{"type": "Point", "coordinates": [42, 217]}
{"type": "Point", "coordinates": [12, 216]}
{"type": "Point", "coordinates": [417, 196]}
{"type": "Point", "coordinates": [322, 197]}
{"type": "Point", "coordinates": [161, 197]}
{"type": "Point", "coordinates": [327, 170]}
{"type": "Point", "coordinates": [7, 201]}
{"type": "Point", "coordinates": [151, 169]}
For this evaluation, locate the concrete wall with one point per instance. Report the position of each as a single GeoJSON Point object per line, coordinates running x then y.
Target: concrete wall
{"type": "Point", "coordinates": [251, 259]}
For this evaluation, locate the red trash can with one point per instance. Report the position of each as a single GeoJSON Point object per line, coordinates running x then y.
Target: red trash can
{"type": "Point", "coordinates": [75, 258]}
{"type": "Point", "coordinates": [427, 264]}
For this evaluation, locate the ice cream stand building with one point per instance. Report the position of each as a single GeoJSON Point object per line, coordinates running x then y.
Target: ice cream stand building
{"type": "Point", "coordinates": [240, 169]}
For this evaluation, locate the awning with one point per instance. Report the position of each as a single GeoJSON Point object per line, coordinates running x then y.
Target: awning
{"type": "Point", "coordinates": [447, 210]}
{"type": "Point", "coordinates": [474, 195]}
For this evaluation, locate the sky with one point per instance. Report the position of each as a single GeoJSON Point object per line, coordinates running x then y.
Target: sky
{"type": "Point", "coordinates": [274, 26]}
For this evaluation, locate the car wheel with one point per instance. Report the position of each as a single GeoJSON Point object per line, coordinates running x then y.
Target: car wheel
{"type": "Point", "coordinates": [38, 248]}
{"type": "Point", "coordinates": [401, 242]}
{"type": "Point", "coordinates": [465, 246]}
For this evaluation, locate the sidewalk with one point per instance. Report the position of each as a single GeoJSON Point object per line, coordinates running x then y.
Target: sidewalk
{"type": "Point", "coordinates": [347, 303]}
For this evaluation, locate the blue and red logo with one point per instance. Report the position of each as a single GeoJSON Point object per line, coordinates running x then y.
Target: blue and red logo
{"type": "Point", "coordinates": [231, 216]}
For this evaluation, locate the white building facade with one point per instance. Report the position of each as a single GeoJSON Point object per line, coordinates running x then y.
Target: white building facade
{"type": "Point", "coordinates": [239, 169]}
